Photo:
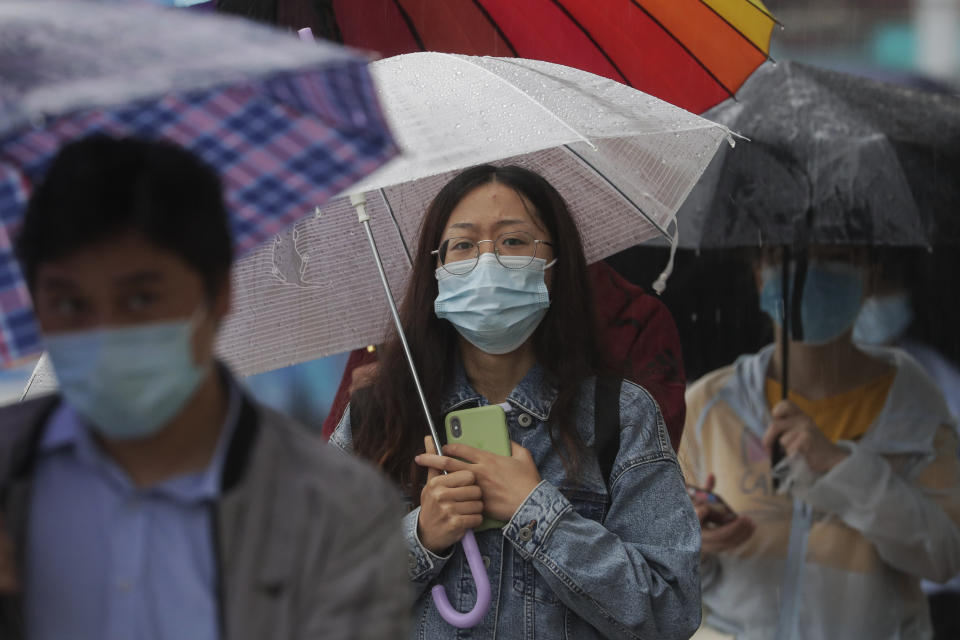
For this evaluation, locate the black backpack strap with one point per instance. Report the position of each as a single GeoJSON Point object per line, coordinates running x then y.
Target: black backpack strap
{"type": "Point", "coordinates": [607, 424]}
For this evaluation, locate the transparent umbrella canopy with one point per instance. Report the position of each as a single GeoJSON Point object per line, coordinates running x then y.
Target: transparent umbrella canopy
{"type": "Point", "coordinates": [624, 161]}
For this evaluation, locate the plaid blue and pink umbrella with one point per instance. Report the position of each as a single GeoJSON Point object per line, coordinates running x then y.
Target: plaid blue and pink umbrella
{"type": "Point", "coordinates": [286, 124]}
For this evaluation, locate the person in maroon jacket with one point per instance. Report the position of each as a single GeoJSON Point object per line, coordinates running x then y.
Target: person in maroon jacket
{"type": "Point", "coordinates": [639, 338]}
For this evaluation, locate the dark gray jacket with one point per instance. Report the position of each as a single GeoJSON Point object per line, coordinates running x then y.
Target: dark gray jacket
{"type": "Point", "coordinates": [308, 541]}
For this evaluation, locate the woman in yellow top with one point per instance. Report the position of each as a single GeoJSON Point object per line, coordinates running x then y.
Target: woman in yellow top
{"type": "Point", "coordinates": [869, 493]}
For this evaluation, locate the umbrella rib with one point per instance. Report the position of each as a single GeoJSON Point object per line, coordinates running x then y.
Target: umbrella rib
{"type": "Point", "coordinates": [590, 37]}
{"type": "Point", "coordinates": [616, 188]}
{"type": "Point", "coordinates": [685, 48]}
{"type": "Point", "coordinates": [764, 11]}
{"type": "Point", "coordinates": [396, 225]}
{"type": "Point", "coordinates": [409, 21]}
{"type": "Point", "coordinates": [740, 33]}
{"type": "Point", "coordinates": [496, 27]}
{"type": "Point", "coordinates": [37, 370]}
{"type": "Point", "coordinates": [526, 95]}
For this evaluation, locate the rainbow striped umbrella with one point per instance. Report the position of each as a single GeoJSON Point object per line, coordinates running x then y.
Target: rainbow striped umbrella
{"type": "Point", "coordinates": [691, 53]}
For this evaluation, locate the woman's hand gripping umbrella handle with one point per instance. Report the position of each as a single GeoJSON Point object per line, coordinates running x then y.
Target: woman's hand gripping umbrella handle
{"type": "Point", "coordinates": [473, 617]}
{"type": "Point", "coordinates": [478, 571]}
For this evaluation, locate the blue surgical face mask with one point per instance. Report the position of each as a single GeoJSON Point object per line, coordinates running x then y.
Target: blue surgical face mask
{"type": "Point", "coordinates": [128, 382]}
{"type": "Point", "coordinates": [883, 319]}
{"type": "Point", "coordinates": [831, 299]}
{"type": "Point", "coordinates": [494, 308]}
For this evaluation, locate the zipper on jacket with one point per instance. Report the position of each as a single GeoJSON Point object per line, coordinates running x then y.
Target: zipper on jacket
{"type": "Point", "coordinates": [234, 468]}
{"type": "Point", "coordinates": [218, 588]}
{"type": "Point", "coordinates": [790, 589]}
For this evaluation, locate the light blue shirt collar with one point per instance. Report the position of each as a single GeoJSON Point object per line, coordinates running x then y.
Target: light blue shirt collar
{"type": "Point", "coordinates": [66, 429]}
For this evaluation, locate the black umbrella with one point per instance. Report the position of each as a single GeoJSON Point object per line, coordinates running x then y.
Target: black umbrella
{"type": "Point", "coordinates": [843, 159]}
{"type": "Point", "coordinates": [831, 159]}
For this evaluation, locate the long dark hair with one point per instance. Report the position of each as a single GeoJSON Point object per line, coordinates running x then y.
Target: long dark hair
{"type": "Point", "coordinates": [389, 430]}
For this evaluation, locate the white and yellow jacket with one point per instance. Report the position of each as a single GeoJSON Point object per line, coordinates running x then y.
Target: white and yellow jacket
{"type": "Point", "coordinates": [837, 555]}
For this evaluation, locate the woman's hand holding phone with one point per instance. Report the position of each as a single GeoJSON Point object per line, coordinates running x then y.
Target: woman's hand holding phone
{"type": "Point", "coordinates": [716, 538]}
{"type": "Point", "coordinates": [449, 505]}
{"type": "Point", "coordinates": [505, 481]}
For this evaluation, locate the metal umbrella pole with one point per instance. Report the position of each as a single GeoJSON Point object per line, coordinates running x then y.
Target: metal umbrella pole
{"type": "Point", "coordinates": [786, 306]}
{"type": "Point", "coordinates": [791, 327]}
{"type": "Point", "coordinates": [469, 542]}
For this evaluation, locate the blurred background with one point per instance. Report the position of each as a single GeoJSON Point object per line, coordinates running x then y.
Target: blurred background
{"type": "Point", "coordinates": [912, 40]}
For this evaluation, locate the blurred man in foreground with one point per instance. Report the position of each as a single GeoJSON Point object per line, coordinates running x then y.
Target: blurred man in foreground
{"type": "Point", "coordinates": [152, 498]}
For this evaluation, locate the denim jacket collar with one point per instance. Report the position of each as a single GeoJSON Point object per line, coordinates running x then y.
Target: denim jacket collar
{"type": "Point", "coordinates": [535, 393]}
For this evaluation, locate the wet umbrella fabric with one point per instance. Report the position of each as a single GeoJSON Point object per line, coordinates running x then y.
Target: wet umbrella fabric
{"type": "Point", "coordinates": [837, 158]}
{"type": "Point", "coordinates": [691, 53]}
{"type": "Point", "coordinates": [624, 161]}
{"type": "Point", "coordinates": [286, 124]}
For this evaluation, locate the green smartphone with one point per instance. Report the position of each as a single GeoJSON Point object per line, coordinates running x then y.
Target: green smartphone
{"type": "Point", "coordinates": [484, 428]}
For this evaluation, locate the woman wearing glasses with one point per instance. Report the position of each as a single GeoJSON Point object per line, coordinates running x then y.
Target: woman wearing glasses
{"type": "Point", "coordinates": [500, 312]}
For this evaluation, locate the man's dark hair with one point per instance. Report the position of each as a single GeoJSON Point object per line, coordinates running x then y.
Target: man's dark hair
{"type": "Point", "coordinates": [100, 187]}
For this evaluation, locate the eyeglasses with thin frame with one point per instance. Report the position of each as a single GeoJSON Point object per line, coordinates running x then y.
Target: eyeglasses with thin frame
{"type": "Point", "coordinates": [458, 256]}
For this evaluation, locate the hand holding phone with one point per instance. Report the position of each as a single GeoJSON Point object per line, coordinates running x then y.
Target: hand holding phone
{"type": "Point", "coordinates": [718, 512]}
{"type": "Point", "coordinates": [721, 529]}
{"type": "Point", "coordinates": [482, 428]}
{"type": "Point", "coordinates": [505, 470]}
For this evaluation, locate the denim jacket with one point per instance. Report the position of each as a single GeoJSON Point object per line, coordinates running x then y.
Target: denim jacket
{"type": "Point", "coordinates": [573, 561]}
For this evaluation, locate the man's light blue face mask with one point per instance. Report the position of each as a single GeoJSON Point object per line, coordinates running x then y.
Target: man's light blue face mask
{"type": "Point", "coordinates": [493, 307]}
{"type": "Point", "coordinates": [128, 382]}
{"type": "Point", "coordinates": [831, 299]}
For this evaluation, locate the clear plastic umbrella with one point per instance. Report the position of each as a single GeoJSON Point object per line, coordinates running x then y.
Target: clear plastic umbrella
{"type": "Point", "coordinates": [624, 161]}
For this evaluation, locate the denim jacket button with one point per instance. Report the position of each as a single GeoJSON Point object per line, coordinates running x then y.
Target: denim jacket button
{"type": "Point", "coordinates": [525, 534]}
{"type": "Point", "coordinates": [524, 420]}
{"type": "Point", "coordinates": [486, 561]}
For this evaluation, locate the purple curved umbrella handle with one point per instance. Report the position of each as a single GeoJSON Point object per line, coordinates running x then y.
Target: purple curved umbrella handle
{"type": "Point", "coordinates": [473, 617]}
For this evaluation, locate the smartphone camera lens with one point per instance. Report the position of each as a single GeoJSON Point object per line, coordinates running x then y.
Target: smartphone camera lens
{"type": "Point", "coordinates": [455, 430]}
